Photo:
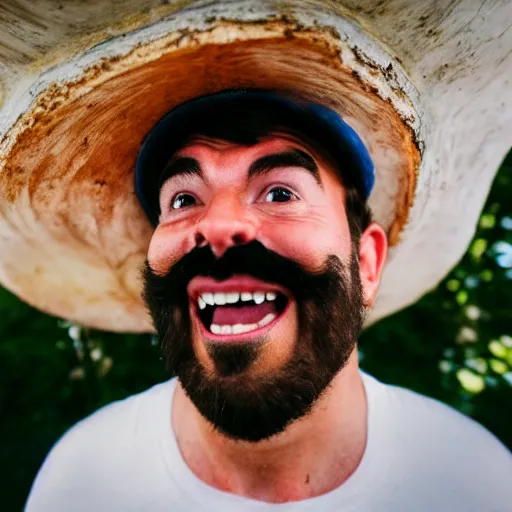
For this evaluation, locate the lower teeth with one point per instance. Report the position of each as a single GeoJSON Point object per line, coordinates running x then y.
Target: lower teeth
{"type": "Point", "coordinates": [241, 328]}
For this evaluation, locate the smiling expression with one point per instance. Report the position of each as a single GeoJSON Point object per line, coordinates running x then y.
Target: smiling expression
{"type": "Point", "coordinates": [255, 279]}
{"type": "Point", "coordinates": [277, 192]}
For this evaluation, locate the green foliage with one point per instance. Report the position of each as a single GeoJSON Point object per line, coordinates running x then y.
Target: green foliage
{"type": "Point", "coordinates": [455, 344]}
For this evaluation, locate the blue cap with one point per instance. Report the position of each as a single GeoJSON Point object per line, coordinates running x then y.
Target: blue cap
{"type": "Point", "coordinates": [331, 133]}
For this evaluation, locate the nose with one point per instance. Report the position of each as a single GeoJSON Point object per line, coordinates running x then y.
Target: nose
{"type": "Point", "coordinates": [226, 223]}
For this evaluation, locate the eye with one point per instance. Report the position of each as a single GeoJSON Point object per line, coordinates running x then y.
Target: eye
{"type": "Point", "coordinates": [183, 200]}
{"type": "Point", "coordinates": [279, 195]}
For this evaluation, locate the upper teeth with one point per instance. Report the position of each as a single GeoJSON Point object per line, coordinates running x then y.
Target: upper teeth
{"type": "Point", "coordinates": [220, 299]}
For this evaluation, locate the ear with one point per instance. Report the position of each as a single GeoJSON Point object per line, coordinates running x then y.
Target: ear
{"type": "Point", "coordinates": [373, 249]}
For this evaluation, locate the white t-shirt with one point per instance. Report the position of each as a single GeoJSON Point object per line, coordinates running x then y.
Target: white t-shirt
{"type": "Point", "coordinates": [421, 456]}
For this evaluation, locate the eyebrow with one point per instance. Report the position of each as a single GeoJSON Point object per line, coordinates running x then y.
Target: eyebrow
{"type": "Point", "coordinates": [290, 158]}
{"type": "Point", "coordinates": [180, 166]}
{"type": "Point", "coordinates": [187, 166]}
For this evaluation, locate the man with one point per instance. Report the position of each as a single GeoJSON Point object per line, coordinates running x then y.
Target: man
{"type": "Point", "coordinates": [263, 262]}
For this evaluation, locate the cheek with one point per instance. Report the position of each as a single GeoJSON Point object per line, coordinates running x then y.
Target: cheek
{"type": "Point", "coordinates": [167, 247]}
{"type": "Point", "coordinates": [310, 238]}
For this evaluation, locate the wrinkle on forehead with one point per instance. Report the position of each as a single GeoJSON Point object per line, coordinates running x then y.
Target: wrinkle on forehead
{"type": "Point", "coordinates": [210, 150]}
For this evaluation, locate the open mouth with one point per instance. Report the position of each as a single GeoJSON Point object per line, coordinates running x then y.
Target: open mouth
{"type": "Point", "coordinates": [237, 311]}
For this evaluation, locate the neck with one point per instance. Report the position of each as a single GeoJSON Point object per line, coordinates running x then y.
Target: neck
{"type": "Point", "coordinates": [313, 456]}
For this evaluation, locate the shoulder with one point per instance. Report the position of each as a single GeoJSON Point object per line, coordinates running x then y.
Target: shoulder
{"type": "Point", "coordinates": [429, 441]}
{"type": "Point", "coordinates": [106, 443]}
{"type": "Point", "coordinates": [427, 417]}
{"type": "Point", "coordinates": [113, 425]}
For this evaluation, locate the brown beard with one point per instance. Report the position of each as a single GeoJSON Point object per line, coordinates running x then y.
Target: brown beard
{"type": "Point", "coordinates": [330, 312]}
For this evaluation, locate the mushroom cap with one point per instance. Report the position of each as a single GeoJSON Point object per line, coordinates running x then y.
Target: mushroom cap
{"type": "Point", "coordinates": [74, 236]}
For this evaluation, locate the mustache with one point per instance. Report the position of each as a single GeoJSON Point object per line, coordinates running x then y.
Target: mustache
{"type": "Point", "coordinates": [252, 259]}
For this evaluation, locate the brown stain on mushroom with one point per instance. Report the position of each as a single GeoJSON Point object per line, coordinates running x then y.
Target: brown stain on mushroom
{"type": "Point", "coordinates": [74, 155]}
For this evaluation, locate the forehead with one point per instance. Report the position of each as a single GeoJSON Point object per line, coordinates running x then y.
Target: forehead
{"type": "Point", "coordinates": [215, 152]}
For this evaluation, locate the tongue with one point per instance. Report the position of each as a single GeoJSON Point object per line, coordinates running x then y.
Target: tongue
{"type": "Point", "coordinates": [229, 315]}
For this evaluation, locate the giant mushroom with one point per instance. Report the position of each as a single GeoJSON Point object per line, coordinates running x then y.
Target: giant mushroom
{"type": "Point", "coordinates": [81, 83]}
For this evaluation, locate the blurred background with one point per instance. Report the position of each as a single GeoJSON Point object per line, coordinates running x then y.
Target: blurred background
{"type": "Point", "coordinates": [455, 345]}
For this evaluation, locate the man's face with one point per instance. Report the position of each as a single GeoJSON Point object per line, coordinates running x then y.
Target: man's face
{"type": "Point", "coordinates": [253, 281]}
